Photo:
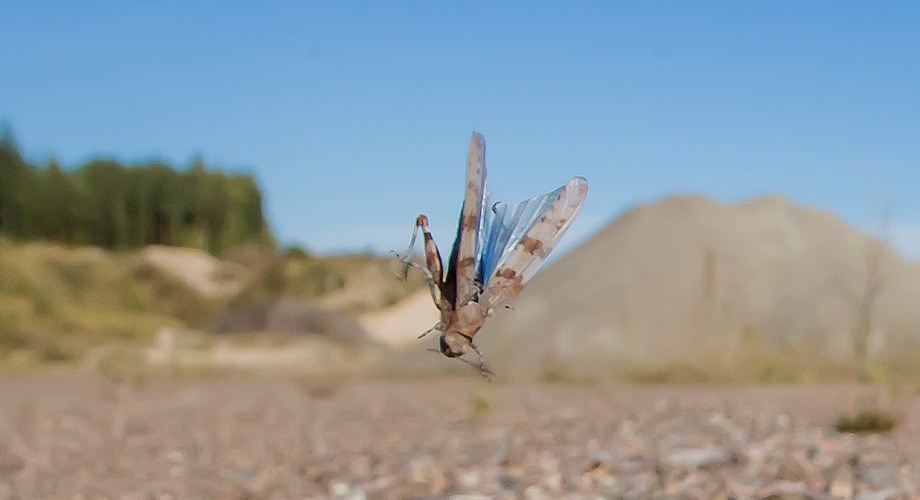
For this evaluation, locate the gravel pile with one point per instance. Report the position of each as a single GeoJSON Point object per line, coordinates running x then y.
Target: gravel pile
{"type": "Point", "coordinates": [72, 436]}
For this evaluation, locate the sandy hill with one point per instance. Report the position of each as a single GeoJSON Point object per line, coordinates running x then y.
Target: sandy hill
{"type": "Point", "coordinates": [59, 303]}
{"type": "Point", "coordinates": [690, 280]}
{"type": "Point", "coordinates": [401, 324]}
{"type": "Point", "coordinates": [206, 274]}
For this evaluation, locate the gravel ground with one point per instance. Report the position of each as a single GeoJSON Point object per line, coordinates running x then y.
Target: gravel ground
{"type": "Point", "coordinates": [67, 436]}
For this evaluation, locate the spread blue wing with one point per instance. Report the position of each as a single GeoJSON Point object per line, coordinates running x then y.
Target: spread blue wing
{"type": "Point", "coordinates": [506, 224]}
{"type": "Point", "coordinates": [519, 236]}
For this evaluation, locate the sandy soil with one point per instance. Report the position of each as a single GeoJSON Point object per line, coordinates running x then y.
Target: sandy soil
{"type": "Point", "coordinates": [203, 272]}
{"type": "Point", "coordinates": [401, 324]}
{"type": "Point", "coordinates": [64, 436]}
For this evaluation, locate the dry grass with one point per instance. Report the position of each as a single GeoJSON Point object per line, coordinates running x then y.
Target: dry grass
{"type": "Point", "coordinates": [355, 283]}
{"type": "Point", "coordinates": [57, 302]}
{"type": "Point", "coordinates": [866, 421]}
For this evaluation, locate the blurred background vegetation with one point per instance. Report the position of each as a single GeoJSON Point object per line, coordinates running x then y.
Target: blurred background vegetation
{"type": "Point", "coordinates": [116, 206]}
{"type": "Point", "coordinates": [149, 261]}
{"type": "Point", "coordinates": [109, 254]}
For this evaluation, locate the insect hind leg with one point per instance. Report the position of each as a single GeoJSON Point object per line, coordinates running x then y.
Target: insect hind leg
{"type": "Point", "coordinates": [433, 270]}
{"type": "Point", "coordinates": [407, 258]}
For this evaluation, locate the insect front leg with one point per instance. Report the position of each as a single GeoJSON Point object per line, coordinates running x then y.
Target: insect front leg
{"type": "Point", "coordinates": [481, 366]}
{"type": "Point", "coordinates": [434, 328]}
{"type": "Point", "coordinates": [483, 369]}
{"type": "Point", "coordinates": [485, 372]}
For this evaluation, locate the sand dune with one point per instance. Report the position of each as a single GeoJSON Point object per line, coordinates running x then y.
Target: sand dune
{"type": "Point", "coordinates": [400, 325]}
{"type": "Point", "coordinates": [208, 275]}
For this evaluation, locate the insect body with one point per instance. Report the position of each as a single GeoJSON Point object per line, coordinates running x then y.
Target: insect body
{"type": "Point", "coordinates": [499, 247]}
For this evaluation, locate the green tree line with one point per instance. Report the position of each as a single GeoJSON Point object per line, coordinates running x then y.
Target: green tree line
{"type": "Point", "coordinates": [118, 206]}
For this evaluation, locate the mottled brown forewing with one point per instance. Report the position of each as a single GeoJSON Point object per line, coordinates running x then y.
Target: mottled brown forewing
{"type": "Point", "coordinates": [530, 252]}
{"type": "Point", "coordinates": [470, 218]}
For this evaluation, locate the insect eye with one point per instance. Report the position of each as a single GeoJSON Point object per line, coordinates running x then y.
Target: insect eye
{"type": "Point", "coordinates": [443, 345]}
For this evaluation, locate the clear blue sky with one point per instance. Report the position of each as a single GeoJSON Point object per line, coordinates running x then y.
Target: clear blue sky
{"type": "Point", "coordinates": [354, 116]}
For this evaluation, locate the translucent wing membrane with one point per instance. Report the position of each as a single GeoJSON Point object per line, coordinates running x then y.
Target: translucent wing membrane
{"type": "Point", "coordinates": [505, 224]}
{"type": "Point", "coordinates": [500, 246]}
{"type": "Point", "coordinates": [519, 236]}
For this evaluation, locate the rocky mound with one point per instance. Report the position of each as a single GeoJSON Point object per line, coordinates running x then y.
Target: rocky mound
{"type": "Point", "coordinates": [691, 281]}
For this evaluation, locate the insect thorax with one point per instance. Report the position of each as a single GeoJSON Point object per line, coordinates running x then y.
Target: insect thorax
{"type": "Point", "coordinates": [469, 319]}
{"type": "Point", "coordinates": [463, 324]}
